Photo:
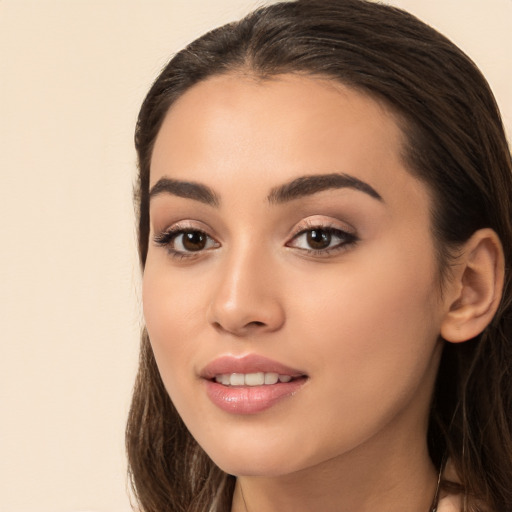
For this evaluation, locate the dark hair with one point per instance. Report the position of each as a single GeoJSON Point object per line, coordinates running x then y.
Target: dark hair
{"type": "Point", "coordinates": [455, 143]}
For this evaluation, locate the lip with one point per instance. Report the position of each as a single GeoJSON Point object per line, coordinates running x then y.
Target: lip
{"type": "Point", "coordinates": [249, 399]}
{"type": "Point", "coordinates": [250, 363]}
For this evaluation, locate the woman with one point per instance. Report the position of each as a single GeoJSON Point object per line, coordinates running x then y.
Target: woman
{"type": "Point", "coordinates": [325, 236]}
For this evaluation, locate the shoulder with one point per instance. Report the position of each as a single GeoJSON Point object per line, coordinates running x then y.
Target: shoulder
{"type": "Point", "coordinates": [450, 503]}
{"type": "Point", "coordinates": [454, 503]}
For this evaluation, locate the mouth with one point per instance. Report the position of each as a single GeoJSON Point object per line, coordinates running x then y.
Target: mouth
{"type": "Point", "coordinates": [252, 379]}
{"type": "Point", "coordinates": [250, 384]}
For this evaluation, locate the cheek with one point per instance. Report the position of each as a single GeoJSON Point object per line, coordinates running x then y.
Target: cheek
{"type": "Point", "coordinates": [371, 322]}
{"type": "Point", "coordinates": [173, 299]}
{"type": "Point", "coordinates": [369, 335]}
{"type": "Point", "coordinates": [172, 316]}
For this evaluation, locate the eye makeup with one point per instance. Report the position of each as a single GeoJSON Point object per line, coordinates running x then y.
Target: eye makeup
{"type": "Point", "coordinates": [185, 241]}
{"type": "Point", "coordinates": [314, 237]}
{"type": "Point", "coordinates": [321, 238]}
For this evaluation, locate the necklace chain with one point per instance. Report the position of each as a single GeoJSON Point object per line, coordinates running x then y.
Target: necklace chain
{"type": "Point", "coordinates": [435, 501]}
{"type": "Point", "coordinates": [433, 507]}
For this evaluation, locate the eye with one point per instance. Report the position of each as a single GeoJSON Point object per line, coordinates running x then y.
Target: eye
{"type": "Point", "coordinates": [184, 242]}
{"type": "Point", "coordinates": [322, 239]}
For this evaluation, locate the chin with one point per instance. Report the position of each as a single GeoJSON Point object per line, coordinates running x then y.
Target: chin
{"type": "Point", "coordinates": [259, 459]}
{"type": "Point", "coordinates": [262, 468]}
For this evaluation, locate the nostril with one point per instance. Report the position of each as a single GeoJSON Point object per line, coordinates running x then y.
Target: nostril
{"type": "Point", "coordinates": [239, 330]}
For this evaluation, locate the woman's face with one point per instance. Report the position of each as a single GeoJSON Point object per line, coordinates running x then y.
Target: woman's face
{"type": "Point", "coordinates": [288, 240]}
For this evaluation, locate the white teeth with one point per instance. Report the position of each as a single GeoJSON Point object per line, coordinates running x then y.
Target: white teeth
{"type": "Point", "coordinates": [237, 379]}
{"type": "Point", "coordinates": [255, 379]}
{"type": "Point", "coordinates": [251, 379]}
{"type": "Point", "coordinates": [271, 378]}
{"type": "Point", "coordinates": [223, 379]}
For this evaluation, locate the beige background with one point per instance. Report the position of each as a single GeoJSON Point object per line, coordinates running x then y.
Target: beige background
{"type": "Point", "coordinates": [72, 76]}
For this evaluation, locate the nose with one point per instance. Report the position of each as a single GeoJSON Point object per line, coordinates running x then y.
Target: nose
{"type": "Point", "coordinates": [246, 300]}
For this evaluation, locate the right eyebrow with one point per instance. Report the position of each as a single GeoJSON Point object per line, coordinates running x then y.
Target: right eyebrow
{"type": "Point", "coordinates": [309, 185]}
{"type": "Point", "coordinates": [186, 189]}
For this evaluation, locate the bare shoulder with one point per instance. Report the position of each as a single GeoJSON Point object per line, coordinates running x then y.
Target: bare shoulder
{"type": "Point", "coordinates": [450, 503]}
{"type": "Point", "coordinates": [453, 503]}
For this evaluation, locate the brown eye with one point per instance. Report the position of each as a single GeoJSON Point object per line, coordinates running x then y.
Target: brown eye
{"type": "Point", "coordinates": [322, 241]}
{"type": "Point", "coordinates": [319, 239]}
{"type": "Point", "coordinates": [185, 242]}
{"type": "Point", "coordinates": [193, 240]}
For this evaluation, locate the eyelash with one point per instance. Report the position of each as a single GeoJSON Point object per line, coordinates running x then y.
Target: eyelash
{"type": "Point", "coordinates": [168, 238]}
{"type": "Point", "coordinates": [346, 238]}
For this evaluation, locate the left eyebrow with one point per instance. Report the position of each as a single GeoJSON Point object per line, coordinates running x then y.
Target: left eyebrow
{"type": "Point", "coordinates": [309, 185]}
{"type": "Point", "coordinates": [186, 189]}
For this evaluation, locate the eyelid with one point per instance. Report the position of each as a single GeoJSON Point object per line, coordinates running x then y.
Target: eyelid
{"type": "Point", "coordinates": [165, 237]}
{"type": "Point", "coordinates": [322, 223]}
{"type": "Point", "coordinates": [183, 224]}
{"type": "Point", "coordinates": [346, 234]}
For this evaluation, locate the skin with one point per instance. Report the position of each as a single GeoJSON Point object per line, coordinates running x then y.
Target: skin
{"type": "Point", "coordinates": [362, 320]}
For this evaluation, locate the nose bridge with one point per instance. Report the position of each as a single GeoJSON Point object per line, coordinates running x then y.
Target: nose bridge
{"type": "Point", "coordinates": [246, 297]}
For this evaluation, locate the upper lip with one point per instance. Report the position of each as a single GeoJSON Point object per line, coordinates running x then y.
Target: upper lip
{"type": "Point", "coordinates": [251, 363]}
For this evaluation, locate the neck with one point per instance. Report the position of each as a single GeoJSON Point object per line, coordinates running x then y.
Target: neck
{"type": "Point", "coordinates": [393, 478]}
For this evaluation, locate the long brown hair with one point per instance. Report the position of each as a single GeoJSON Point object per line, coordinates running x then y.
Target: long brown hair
{"type": "Point", "coordinates": [455, 144]}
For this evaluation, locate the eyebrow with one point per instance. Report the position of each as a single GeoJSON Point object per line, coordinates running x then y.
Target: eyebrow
{"type": "Point", "coordinates": [308, 185]}
{"type": "Point", "coordinates": [299, 187]}
{"type": "Point", "coordinates": [186, 189]}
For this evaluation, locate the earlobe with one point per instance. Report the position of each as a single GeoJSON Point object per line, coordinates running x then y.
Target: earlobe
{"type": "Point", "coordinates": [476, 287]}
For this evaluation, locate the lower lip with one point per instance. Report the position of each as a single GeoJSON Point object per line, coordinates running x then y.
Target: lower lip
{"type": "Point", "coordinates": [250, 399]}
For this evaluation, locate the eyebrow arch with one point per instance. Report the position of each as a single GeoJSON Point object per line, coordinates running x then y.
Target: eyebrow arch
{"type": "Point", "coordinates": [308, 185]}
{"type": "Point", "coordinates": [186, 189]}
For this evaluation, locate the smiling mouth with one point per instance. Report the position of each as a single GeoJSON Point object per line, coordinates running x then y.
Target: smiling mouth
{"type": "Point", "coordinates": [252, 379]}
{"type": "Point", "coordinates": [250, 384]}
{"type": "Point", "coordinates": [251, 393]}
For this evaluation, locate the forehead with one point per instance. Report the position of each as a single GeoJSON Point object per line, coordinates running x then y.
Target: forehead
{"type": "Point", "coordinates": [270, 131]}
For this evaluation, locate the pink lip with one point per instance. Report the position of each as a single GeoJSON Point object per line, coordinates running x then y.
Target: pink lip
{"type": "Point", "coordinates": [250, 363]}
{"type": "Point", "coordinates": [249, 399]}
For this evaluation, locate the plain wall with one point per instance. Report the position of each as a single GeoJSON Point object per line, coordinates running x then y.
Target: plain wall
{"type": "Point", "coordinates": [72, 76]}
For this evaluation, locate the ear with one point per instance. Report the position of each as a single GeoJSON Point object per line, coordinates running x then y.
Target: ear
{"type": "Point", "coordinates": [475, 288]}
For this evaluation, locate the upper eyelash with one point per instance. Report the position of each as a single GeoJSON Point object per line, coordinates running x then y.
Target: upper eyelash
{"type": "Point", "coordinates": [165, 238]}
{"type": "Point", "coordinates": [309, 225]}
{"type": "Point", "coordinates": [352, 238]}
